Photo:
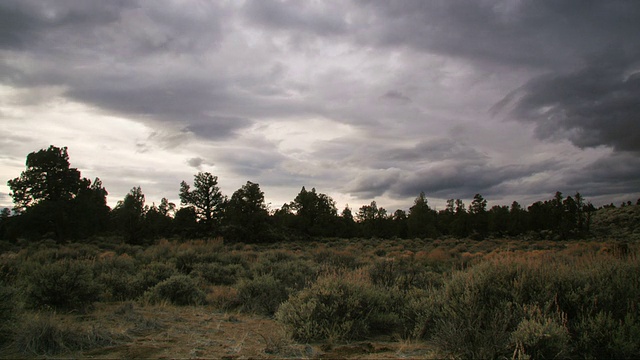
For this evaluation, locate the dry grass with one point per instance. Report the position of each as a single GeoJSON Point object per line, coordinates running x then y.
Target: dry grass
{"type": "Point", "coordinates": [139, 329]}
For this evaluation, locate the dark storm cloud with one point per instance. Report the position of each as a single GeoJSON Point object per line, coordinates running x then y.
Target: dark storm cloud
{"type": "Point", "coordinates": [442, 168]}
{"type": "Point", "coordinates": [618, 173]}
{"type": "Point", "coordinates": [517, 33]}
{"type": "Point", "coordinates": [124, 57]}
{"type": "Point", "coordinates": [397, 72]}
{"type": "Point", "coordinates": [450, 179]}
{"type": "Point", "coordinates": [459, 180]}
{"type": "Point", "coordinates": [598, 105]}
{"type": "Point", "coordinates": [24, 21]}
{"type": "Point", "coordinates": [435, 150]}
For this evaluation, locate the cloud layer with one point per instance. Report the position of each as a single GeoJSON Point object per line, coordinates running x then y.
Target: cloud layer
{"type": "Point", "coordinates": [361, 99]}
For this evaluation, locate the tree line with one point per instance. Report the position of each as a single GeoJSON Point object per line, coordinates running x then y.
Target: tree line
{"type": "Point", "coordinates": [53, 200]}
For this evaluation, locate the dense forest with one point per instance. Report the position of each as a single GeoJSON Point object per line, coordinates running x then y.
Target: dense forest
{"type": "Point", "coordinates": [53, 200]}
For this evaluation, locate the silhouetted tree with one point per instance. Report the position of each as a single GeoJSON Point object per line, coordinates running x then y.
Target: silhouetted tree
{"type": "Point", "coordinates": [5, 216]}
{"type": "Point", "coordinates": [167, 208]}
{"type": "Point", "coordinates": [185, 223]}
{"type": "Point", "coordinates": [348, 227]}
{"type": "Point", "coordinates": [460, 223]}
{"type": "Point", "coordinates": [158, 222]}
{"type": "Point", "coordinates": [89, 212]}
{"type": "Point", "coordinates": [479, 222]}
{"type": "Point", "coordinates": [445, 218]}
{"type": "Point", "coordinates": [400, 224]}
{"type": "Point", "coordinates": [48, 177]}
{"type": "Point", "coordinates": [517, 219]}
{"type": "Point", "coordinates": [372, 220]}
{"type": "Point", "coordinates": [499, 220]}
{"type": "Point", "coordinates": [422, 219]}
{"type": "Point", "coordinates": [316, 213]}
{"type": "Point", "coordinates": [246, 214]}
{"type": "Point", "coordinates": [53, 200]}
{"type": "Point", "coordinates": [284, 219]}
{"type": "Point", "coordinates": [129, 216]}
{"type": "Point", "coordinates": [206, 199]}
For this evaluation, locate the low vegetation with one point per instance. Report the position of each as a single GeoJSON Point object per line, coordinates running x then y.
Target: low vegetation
{"type": "Point", "coordinates": [487, 299]}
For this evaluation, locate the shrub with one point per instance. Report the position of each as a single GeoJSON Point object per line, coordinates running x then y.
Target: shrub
{"type": "Point", "coordinates": [66, 284]}
{"type": "Point", "coordinates": [8, 308]}
{"type": "Point", "coordinates": [262, 295]}
{"type": "Point", "coordinates": [601, 336]}
{"type": "Point", "coordinates": [541, 336]}
{"type": "Point", "coordinates": [336, 259]}
{"type": "Point", "coordinates": [532, 305]}
{"type": "Point", "coordinates": [338, 308]}
{"type": "Point", "coordinates": [45, 335]}
{"type": "Point", "coordinates": [293, 274]}
{"type": "Point", "coordinates": [223, 297]}
{"type": "Point", "coordinates": [403, 274]}
{"type": "Point", "coordinates": [475, 315]}
{"type": "Point", "coordinates": [219, 274]}
{"type": "Point", "coordinates": [152, 274]}
{"type": "Point", "coordinates": [116, 274]}
{"type": "Point", "coordinates": [178, 290]}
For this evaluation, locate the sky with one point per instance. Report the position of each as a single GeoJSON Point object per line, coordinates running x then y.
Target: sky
{"type": "Point", "coordinates": [362, 100]}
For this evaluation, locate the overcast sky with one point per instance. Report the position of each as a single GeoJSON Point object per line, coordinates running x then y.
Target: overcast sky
{"type": "Point", "coordinates": [363, 100]}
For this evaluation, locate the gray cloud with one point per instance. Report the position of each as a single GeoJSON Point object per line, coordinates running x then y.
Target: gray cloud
{"type": "Point", "coordinates": [520, 33]}
{"type": "Point", "coordinates": [458, 180]}
{"type": "Point", "coordinates": [442, 168]}
{"type": "Point", "coordinates": [127, 58]}
{"type": "Point", "coordinates": [27, 21]}
{"type": "Point", "coordinates": [595, 106]}
{"type": "Point", "coordinates": [396, 96]}
{"type": "Point", "coordinates": [412, 80]}
{"type": "Point", "coordinates": [196, 162]}
{"type": "Point", "coordinates": [318, 18]}
{"type": "Point", "coordinates": [618, 173]}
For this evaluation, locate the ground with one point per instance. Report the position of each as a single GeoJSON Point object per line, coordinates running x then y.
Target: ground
{"type": "Point", "coordinates": [136, 331]}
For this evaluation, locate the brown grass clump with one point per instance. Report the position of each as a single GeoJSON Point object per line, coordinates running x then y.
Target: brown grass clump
{"type": "Point", "coordinates": [223, 297]}
{"type": "Point", "coordinates": [44, 335]}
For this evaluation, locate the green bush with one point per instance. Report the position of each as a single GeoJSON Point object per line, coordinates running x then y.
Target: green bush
{"type": "Point", "coordinates": [151, 274]}
{"type": "Point", "coordinates": [601, 336]}
{"type": "Point", "coordinates": [117, 277]}
{"type": "Point", "coordinates": [475, 315]}
{"type": "Point", "coordinates": [293, 274]}
{"type": "Point", "coordinates": [129, 282]}
{"type": "Point", "coordinates": [9, 267]}
{"type": "Point", "coordinates": [541, 336]}
{"type": "Point", "coordinates": [403, 274]}
{"type": "Point", "coordinates": [186, 260]}
{"type": "Point", "coordinates": [66, 284]}
{"type": "Point", "coordinates": [262, 295]}
{"type": "Point", "coordinates": [339, 308]}
{"type": "Point", "coordinates": [219, 274]}
{"type": "Point", "coordinates": [178, 290]}
{"type": "Point", "coordinates": [8, 310]}
{"type": "Point", "coordinates": [336, 259]}
{"type": "Point", "coordinates": [486, 310]}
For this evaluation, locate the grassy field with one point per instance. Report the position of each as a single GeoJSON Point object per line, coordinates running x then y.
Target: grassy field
{"type": "Point", "coordinates": [330, 298]}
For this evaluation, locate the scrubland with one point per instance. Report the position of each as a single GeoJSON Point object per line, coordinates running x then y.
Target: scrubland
{"type": "Point", "coordinates": [329, 298]}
